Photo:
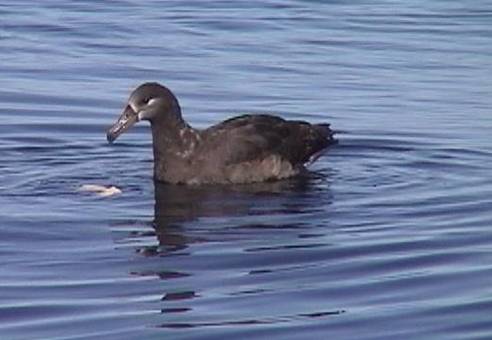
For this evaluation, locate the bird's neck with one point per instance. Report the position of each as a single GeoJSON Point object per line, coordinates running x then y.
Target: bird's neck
{"type": "Point", "coordinates": [171, 147]}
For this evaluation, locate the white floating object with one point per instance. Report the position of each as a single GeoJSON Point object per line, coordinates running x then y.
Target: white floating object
{"type": "Point", "coordinates": [100, 190]}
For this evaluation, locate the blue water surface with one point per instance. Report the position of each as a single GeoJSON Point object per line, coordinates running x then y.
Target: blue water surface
{"type": "Point", "coordinates": [388, 237]}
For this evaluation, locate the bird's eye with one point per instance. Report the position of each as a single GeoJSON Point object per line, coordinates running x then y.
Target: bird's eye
{"type": "Point", "coordinates": [147, 100]}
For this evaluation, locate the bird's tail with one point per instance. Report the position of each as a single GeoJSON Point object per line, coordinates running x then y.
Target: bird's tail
{"type": "Point", "coordinates": [325, 130]}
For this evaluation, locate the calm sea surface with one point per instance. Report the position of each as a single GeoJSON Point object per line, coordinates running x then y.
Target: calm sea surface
{"type": "Point", "coordinates": [389, 236]}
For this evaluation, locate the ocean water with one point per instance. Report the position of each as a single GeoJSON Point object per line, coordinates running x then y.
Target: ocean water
{"type": "Point", "coordinates": [388, 237]}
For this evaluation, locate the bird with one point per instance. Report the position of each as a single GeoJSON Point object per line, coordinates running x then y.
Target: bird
{"type": "Point", "coordinates": [248, 148]}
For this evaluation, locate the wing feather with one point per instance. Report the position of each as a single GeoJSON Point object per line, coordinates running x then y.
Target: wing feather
{"type": "Point", "coordinates": [254, 137]}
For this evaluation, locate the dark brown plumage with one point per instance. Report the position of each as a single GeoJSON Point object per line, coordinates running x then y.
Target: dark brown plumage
{"type": "Point", "coordinates": [244, 149]}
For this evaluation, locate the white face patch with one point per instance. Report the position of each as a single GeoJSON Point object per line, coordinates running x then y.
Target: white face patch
{"type": "Point", "coordinates": [145, 113]}
{"type": "Point", "coordinates": [142, 115]}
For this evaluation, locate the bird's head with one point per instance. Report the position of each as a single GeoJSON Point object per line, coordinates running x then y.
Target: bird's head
{"type": "Point", "coordinates": [149, 101]}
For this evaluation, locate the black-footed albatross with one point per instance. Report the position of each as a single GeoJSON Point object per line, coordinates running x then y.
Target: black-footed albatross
{"type": "Point", "coordinates": [244, 149]}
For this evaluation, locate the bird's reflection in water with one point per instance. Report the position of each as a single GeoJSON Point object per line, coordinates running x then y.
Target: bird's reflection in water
{"type": "Point", "coordinates": [178, 206]}
{"type": "Point", "coordinates": [190, 220]}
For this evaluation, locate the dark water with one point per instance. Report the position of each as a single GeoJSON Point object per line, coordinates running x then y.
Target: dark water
{"type": "Point", "coordinates": [389, 237]}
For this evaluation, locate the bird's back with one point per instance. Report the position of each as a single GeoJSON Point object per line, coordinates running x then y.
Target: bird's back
{"type": "Point", "coordinates": [252, 148]}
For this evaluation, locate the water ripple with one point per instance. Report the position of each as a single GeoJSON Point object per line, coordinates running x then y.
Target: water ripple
{"type": "Point", "coordinates": [387, 237]}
